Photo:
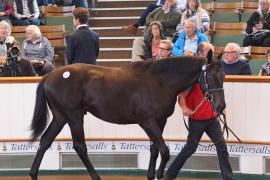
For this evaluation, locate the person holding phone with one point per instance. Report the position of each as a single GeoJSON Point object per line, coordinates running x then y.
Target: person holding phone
{"type": "Point", "coordinates": [258, 22]}
{"type": "Point", "coordinates": [26, 13]}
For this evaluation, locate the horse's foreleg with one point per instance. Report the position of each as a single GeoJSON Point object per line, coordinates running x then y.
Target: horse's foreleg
{"type": "Point", "coordinates": [155, 134]}
{"type": "Point", "coordinates": [79, 146]}
{"type": "Point", "coordinates": [45, 142]}
{"type": "Point", "coordinates": [153, 159]}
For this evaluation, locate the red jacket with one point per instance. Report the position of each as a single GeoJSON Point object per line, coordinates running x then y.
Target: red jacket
{"type": "Point", "coordinates": [193, 99]}
{"type": "Point", "coordinates": [9, 9]}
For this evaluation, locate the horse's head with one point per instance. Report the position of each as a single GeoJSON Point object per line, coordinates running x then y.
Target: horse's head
{"type": "Point", "coordinates": [211, 81]}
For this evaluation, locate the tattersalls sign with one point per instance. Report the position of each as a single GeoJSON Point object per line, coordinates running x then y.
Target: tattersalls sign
{"type": "Point", "coordinates": [134, 146]}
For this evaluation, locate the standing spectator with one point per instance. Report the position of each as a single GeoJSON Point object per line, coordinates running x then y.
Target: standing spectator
{"type": "Point", "coordinates": [23, 67]}
{"type": "Point", "coordinates": [232, 64]}
{"type": "Point", "coordinates": [132, 29]}
{"type": "Point", "coordinates": [6, 10]}
{"type": "Point", "coordinates": [204, 119]}
{"type": "Point", "coordinates": [37, 50]}
{"type": "Point", "coordinates": [151, 41]}
{"type": "Point", "coordinates": [265, 70]}
{"type": "Point", "coordinates": [83, 43]}
{"type": "Point", "coordinates": [194, 10]}
{"type": "Point", "coordinates": [46, 2]}
{"type": "Point", "coordinates": [26, 12]}
{"type": "Point", "coordinates": [259, 20]}
{"type": "Point", "coordinates": [188, 40]}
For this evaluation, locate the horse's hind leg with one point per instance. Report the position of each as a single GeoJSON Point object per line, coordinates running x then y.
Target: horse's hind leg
{"type": "Point", "coordinates": [77, 131]}
{"type": "Point", "coordinates": [155, 134]}
{"type": "Point", "coordinates": [45, 142]}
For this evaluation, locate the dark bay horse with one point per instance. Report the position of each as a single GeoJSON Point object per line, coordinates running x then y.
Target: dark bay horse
{"type": "Point", "coordinates": [141, 93]}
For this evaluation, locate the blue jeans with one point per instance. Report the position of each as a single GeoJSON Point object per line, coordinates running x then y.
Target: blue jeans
{"type": "Point", "coordinates": [26, 22]}
{"type": "Point", "coordinates": [80, 3]}
{"type": "Point", "coordinates": [196, 130]}
{"type": "Point", "coordinates": [45, 2]}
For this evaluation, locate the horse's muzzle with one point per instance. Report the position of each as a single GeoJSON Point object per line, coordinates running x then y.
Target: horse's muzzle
{"type": "Point", "coordinates": [220, 108]}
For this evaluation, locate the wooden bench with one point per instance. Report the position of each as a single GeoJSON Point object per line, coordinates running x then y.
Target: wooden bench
{"type": "Point", "coordinates": [57, 10]}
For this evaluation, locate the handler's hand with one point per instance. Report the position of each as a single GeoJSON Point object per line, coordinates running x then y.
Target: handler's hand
{"type": "Point", "coordinates": [187, 112]}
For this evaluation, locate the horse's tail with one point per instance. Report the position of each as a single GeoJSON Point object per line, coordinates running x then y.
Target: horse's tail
{"type": "Point", "coordinates": [40, 117]}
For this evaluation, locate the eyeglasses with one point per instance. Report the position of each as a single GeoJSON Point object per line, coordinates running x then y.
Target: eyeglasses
{"type": "Point", "coordinates": [229, 52]}
{"type": "Point", "coordinates": [164, 49]}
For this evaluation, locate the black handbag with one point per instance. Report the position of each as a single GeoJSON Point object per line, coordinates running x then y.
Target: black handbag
{"type": "Point", "coordinates": [259, 36]}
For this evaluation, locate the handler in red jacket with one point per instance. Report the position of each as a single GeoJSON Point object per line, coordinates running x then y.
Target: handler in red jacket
{"type": "Point", "coordinates": [203, 119]}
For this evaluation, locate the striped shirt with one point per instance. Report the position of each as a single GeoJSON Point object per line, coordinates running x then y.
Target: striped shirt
{"type": "Point", "coordinates": [26, 11]}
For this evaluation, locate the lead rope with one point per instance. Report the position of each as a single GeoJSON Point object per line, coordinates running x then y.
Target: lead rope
{"type": "Point", "coordinates": [225, 126]}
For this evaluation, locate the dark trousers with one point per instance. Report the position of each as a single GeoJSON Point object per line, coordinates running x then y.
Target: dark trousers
{"type": "Point", "coordinates": [148, 10]}
{"type": "Point", "coordinates": [197, 128]}
{"type": "Point", "coordinates": [48, 67]}
{"type": "Point", "coordinates": [248, 41]}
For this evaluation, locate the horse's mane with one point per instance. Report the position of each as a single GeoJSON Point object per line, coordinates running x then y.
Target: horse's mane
{"type": "Point", "coordinates": [172, 64]}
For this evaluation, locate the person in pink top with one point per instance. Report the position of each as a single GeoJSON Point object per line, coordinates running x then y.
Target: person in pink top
{"type": "Point", "coordinates": [152, 40]}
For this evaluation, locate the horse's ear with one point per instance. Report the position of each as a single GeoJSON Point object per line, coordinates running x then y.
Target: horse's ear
{"type": "Point", "coordinates": [210, 56]}
{"type": "Point", "coordinates": [219, 56]}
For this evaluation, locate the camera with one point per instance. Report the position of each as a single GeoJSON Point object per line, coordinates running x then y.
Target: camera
{"type": "Point", "coordinates": [11, 67]}
{"type": "Point", "coordinates": [12, 53]}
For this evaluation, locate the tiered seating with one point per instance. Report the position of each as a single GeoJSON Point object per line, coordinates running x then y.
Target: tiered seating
{"type": "Point", "coordinates": [248, 9]}
{"type": "Point", "coordinates": [226, 12]}
{"type": "Point", "coordinates": [107, 19]}
{"type": "Point", "coordinates": [59, 15]}
{"type": "Point", "coordinates": [224, 33]}
{"type": "Point", "coordinates": [257, 58]}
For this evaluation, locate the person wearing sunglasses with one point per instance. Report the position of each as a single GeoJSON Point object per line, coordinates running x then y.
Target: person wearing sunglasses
{"type": "Point", "coordinates": [232, 64]}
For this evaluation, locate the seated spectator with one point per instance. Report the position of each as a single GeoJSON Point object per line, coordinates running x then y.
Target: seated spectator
{"type": "Point", "coordinates": [46, 2]}
{"type": "Point", "coordinates": [6, 10]}
{"type": "Point", "coordinates": [168, 20]}
{"type": "Point", "coordinates": [132, 29]}
{"type": "Point", "coordinates": [26, 13]}
{"type": "Point", "coordinates": [165, 49]}
{"type": "Point", "coordinates": [232, 64]}
{"type": "Point", "coordinates": [37, 50]}
{"type": "Point", "coordinates": [167, 15]}
{"type": "Point", "coordinates": [188, 40]}
{"type": "Point", "coordinates": [259, 20]}
{"type": "Point", "coordinates": [23, 67]}
{"type": "Point", "coordinates": [194, 10]}
{"type": "Point", "coordinates": [151, 41]}
{"type": "Point", "coordinates": [265, 70]}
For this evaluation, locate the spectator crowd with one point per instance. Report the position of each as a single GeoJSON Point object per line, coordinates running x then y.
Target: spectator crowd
{"type": "Point", "coordinates": [171, 28]}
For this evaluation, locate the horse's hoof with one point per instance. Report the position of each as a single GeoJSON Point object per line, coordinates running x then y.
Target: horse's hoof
{"type": "Point", "coordinates": [33, 177]}
{"type": "Point", "coordinates": [159, 174]}
{"type": "Point", "coordinates": [166, 177]}
{"type": "Point", "coordinates": [150, 178]}
{"type": "Point", "coordinates": [96, 177]}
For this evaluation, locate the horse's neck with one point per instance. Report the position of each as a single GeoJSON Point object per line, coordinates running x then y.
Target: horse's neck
{"type": "Point", "coordinates": [178, 77]}
{"type": "Point", "coordinates": [181, 81]}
